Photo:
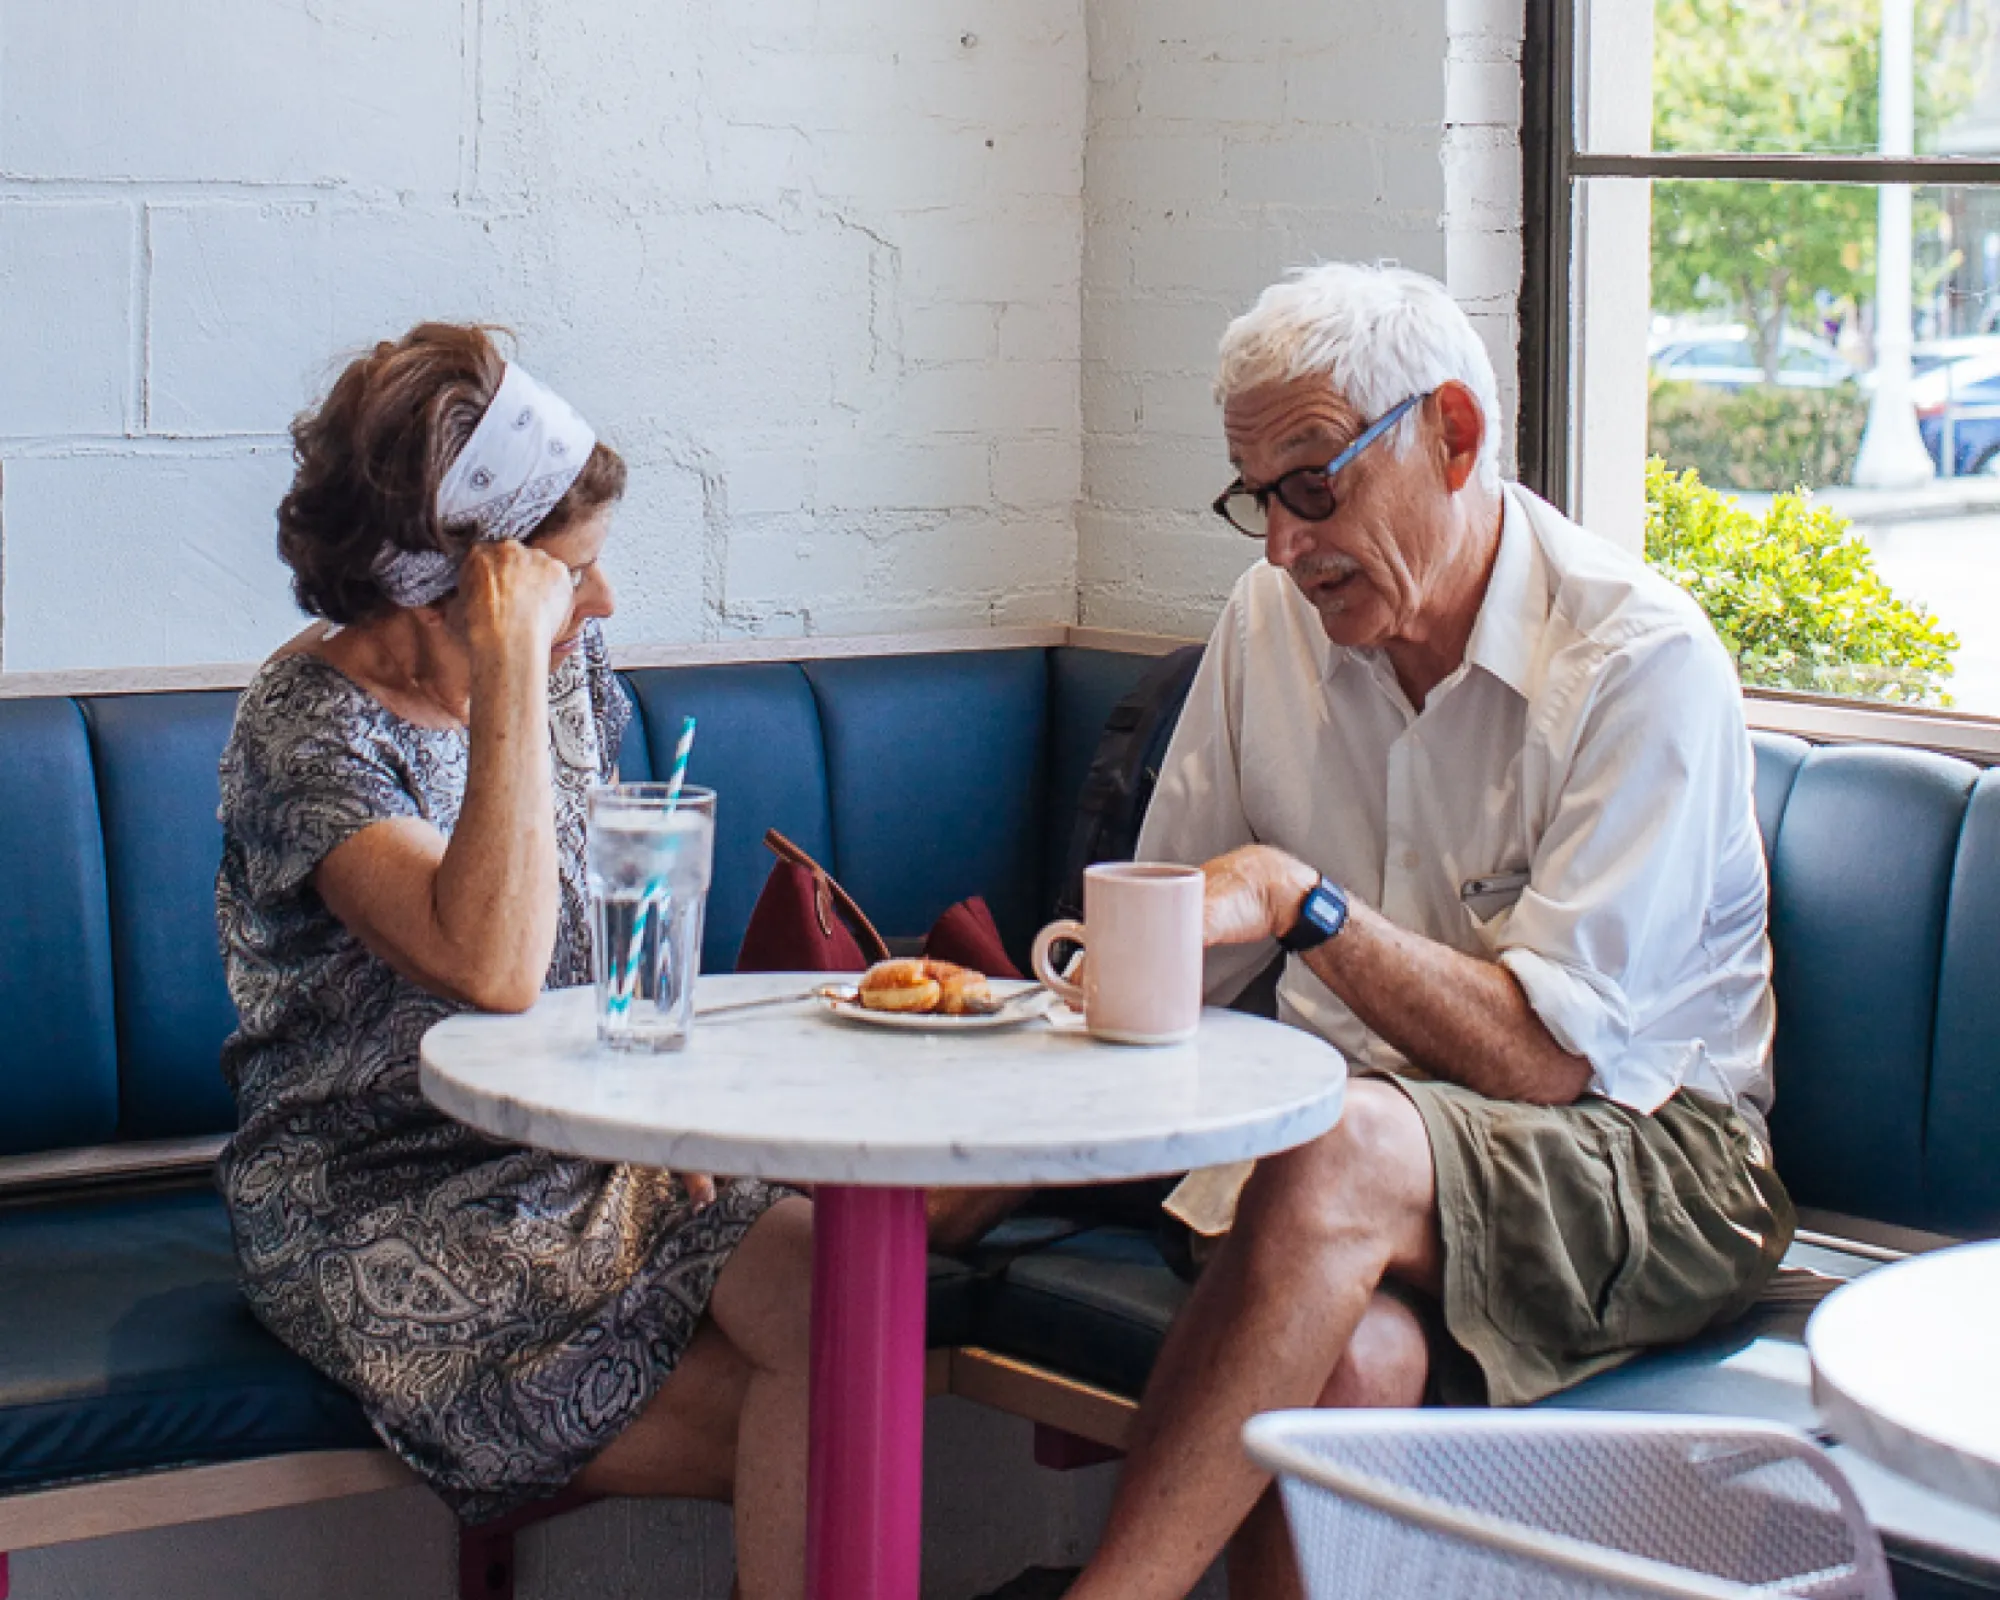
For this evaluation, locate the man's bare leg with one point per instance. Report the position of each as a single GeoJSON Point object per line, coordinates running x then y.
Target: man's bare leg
{"type": "Point", "coordinates": [1266, 1327]}
{"type": "Point", "coordinates": [1386, 1364]}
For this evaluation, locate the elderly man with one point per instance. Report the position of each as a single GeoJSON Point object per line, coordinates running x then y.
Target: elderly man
{"type": "Point", "coordinates": [1485, 778]}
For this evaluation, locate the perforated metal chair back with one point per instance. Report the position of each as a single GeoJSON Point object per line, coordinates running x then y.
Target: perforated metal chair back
{"type": "Point", "coordinates": [1546, 1506]}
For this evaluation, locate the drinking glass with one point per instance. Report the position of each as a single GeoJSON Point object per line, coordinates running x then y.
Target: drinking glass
{"type": "Point", "coordinates": [648, 861]}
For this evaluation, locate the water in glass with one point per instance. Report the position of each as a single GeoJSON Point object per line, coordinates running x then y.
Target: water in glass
{"type": "Point", "coordinates": [648, 865]}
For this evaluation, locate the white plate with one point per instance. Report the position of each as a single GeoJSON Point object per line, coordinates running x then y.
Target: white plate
{"type": "Point", "coordinates": [848, 1009]}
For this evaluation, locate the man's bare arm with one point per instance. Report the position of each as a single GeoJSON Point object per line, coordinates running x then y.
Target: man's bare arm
{"type": "Point", "coordinates": [1457, 1016]}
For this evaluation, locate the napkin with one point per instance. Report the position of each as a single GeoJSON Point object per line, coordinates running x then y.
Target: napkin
{"type": "Point", "coordinates": [1206, 1199]}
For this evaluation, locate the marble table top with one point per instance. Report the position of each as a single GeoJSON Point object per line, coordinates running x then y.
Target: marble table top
{"type": "Point", "coordinates": [1906, 1369]}
{"type": "Point", "coordinates": [791, 1093]}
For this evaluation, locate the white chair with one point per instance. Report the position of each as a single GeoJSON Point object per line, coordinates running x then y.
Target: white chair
{"type": "Point", "coordinates": [1563, 1505]}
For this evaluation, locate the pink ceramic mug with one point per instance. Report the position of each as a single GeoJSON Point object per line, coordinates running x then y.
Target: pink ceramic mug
{"type": "Point", "coordinates": [1141, 933]}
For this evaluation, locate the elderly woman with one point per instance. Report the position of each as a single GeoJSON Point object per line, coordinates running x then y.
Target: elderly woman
{"type": "Point", "coordinates": [403, 810]}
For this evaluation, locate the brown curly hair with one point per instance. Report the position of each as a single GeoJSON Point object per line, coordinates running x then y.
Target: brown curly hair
{"type": "Point", "coordinates": [372, 455]}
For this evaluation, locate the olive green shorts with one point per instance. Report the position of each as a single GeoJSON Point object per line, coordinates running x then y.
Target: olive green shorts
{"type": "Point", "coordinates": [1575, 1236]}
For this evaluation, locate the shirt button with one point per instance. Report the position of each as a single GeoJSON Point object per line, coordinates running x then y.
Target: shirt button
{"type": "Point", "coordinates": [1410, 859]}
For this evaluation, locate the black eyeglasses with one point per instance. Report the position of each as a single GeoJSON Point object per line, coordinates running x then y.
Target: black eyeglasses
{"type": "Point", "coordinates": [1306, 492]}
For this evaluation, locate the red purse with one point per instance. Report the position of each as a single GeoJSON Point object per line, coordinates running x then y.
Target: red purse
{"type": "Point", "coordinates": [804, 921]}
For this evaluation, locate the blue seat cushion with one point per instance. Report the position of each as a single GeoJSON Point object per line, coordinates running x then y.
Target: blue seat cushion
{"type": "Point", "coordinates": [58, 1045]}
{"type": "Point", "coordinates": [1093, 1306]}
{"type": "Point", "coordinates": [156, 757]}
{"type": "Point", "coordinates": [125, 1345]}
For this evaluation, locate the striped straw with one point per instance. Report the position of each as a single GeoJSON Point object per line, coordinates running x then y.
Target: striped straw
{"type": "Point", "coordinates": [623, 990]}
{"type": "Point", "coordinates": [679, 775]}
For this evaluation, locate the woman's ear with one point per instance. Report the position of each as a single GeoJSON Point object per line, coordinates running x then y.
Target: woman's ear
{"type": "Point", "coordinates": [446, 615]}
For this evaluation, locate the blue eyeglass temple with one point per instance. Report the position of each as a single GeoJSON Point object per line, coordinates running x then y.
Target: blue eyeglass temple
{"type": "Point", "coordinates": [1372, 432]}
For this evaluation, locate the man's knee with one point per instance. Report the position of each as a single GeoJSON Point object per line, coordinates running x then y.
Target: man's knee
{"type": "Point", "coordinates": [1387, 1362]}
{"type": "Point", "coordinates": [1368, 1185]}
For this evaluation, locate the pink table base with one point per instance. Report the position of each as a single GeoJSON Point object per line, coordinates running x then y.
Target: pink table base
{"type": "Point", "coordinates": [864, 1511]}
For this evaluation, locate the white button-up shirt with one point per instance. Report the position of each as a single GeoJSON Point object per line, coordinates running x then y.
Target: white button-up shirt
{"type": "Point", "coordinates": [1573, 802]}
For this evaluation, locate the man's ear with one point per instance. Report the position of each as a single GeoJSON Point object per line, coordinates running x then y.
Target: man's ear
{"type": "Point", "coordinates": [1462, 426]}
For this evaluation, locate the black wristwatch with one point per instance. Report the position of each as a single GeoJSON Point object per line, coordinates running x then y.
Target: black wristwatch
{"type": "Point", "coordinates": [1323, 914]}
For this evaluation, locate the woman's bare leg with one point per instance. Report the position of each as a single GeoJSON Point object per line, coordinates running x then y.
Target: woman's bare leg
{"type": "Point", "coordinates": [763, 1302]}
{"type": "Point", "coordinates": [730, 1424]}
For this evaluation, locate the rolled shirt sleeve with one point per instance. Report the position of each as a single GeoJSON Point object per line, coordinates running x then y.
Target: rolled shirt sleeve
{"type": "Point", "coordinates": [1615, 928]}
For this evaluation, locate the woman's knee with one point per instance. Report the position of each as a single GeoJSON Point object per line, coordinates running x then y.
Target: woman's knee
{"type": "Point", "coordinates": [1386, 1363]}
{"type": "Point", "coordinates": [763, 1299]}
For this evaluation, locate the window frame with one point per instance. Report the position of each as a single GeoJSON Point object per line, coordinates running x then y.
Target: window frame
{"type": "Point", "coordinates": [1551, 167]}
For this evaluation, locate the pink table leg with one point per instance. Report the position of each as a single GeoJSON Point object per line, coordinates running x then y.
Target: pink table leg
{"type": "Point", "coordinates": [864, 1511]}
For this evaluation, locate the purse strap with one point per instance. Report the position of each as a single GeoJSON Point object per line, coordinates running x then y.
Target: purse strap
{"type": "Point", "coordinates": [829, 897]}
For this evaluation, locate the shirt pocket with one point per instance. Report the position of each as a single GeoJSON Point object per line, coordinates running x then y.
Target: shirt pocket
{"type": "Point", "coordinates": [1489, 899]}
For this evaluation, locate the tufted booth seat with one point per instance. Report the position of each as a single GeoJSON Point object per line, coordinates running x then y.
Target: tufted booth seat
{"type": "Point", "coordinates": [919, 779]}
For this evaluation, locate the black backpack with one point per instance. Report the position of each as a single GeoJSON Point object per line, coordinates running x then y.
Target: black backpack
{"type": "Point", "coordinates": [1123, 773]}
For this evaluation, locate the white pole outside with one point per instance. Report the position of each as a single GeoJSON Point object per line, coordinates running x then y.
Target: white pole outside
{"type": "Point", "coordinates": [1892, 449]}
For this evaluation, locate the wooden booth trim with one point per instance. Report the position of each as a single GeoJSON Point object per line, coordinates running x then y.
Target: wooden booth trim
{"type": "Point", "coordinates": [731, 652]}
{"type": "Point", "coordinates": [177, 1495]}
{"type": "Point", "coordinates": [90, 1165]}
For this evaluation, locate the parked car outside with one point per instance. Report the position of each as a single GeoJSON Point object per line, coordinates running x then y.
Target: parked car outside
{"type": "Point", "coordinates": [1725, 357]}
{"type": "Point", "coordinates": [1958, 413]}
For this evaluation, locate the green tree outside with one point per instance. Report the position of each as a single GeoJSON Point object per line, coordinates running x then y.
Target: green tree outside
{"type": "Point", "coordinates": [1784, 75]}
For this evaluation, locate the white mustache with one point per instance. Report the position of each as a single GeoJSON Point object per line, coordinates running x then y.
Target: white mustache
{"type": "Point", "coordinates": [1323, 569]}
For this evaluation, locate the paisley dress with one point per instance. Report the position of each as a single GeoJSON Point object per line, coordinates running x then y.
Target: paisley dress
{"type": "Point", "coordinates": [501, 1313]}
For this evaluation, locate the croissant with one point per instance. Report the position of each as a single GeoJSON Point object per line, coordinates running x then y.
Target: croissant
{"type": "Point", "coordinates": [916, 985]}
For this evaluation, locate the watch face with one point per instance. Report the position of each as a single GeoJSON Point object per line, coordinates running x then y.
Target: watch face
{"type": "Point", "coordinates": [1320, 917]}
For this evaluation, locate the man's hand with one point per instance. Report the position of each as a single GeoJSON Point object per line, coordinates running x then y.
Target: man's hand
{"type": "Point", "coordinates": [1253, 893]}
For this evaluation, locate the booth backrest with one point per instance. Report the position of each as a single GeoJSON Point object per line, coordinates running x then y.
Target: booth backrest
{"type": "Point", "coordinates": [1885, 906]}
{"type": "Point", "coordinates": [921, 779]}
{"type": "Point", "coordinates": [918, 780]}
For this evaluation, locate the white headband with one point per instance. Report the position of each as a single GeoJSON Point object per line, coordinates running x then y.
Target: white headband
{"type": "Point", "coordinates": [529, 447]}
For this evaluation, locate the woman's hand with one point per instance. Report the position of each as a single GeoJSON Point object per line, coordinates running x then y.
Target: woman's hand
{"type": "Point", "coordinates": [1253, 893]}
{"type": "Point", "coordinates": [514, 596]}
{"type": "Point", "coordinates": [700, 1188]}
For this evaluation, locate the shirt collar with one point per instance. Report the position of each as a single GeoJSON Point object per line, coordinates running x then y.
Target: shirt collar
{"type": "Point", "coordinates": [1515, 608]}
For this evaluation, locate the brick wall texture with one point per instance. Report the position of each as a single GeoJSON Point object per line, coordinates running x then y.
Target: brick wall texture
{"type": "Point", "coordinates": [902, 316]}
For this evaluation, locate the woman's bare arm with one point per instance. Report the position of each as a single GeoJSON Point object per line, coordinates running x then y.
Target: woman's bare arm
{"type": "Point", "coordinates": [474, 919]}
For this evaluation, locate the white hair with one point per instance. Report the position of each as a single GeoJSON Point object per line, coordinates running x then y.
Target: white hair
{"type": "Point", "coordinates": [1377, 334]}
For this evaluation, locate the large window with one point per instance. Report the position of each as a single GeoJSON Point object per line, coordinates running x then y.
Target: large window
{"type": "Point", "coordinates": [1761, 333]}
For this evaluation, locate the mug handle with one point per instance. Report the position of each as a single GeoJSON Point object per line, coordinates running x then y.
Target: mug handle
{"type": "Point", "coordinates": [1053, 980]}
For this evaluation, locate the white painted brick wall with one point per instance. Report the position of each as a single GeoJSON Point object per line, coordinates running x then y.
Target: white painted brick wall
{"type": "Point", "coordinates": [1395, 137]}
{"type": "Point", "coordinates": [368, 93]}
{"type": "Point", "coordinates": [146, 551]}
{"type": "Point", "coordinates": [795, 261]}
{"type": "Point", "coordinates": [67, 368]}
{"type": "Point", "coordinates": [1228, 143]}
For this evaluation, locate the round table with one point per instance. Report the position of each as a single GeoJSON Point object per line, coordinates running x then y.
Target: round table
{"type": "Point", "coordinates": [872, 1116]}
{"type": "Point", "coordinates": [1906, 1369]}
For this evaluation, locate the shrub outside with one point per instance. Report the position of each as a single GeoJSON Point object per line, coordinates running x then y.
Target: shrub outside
{"type": "Point", "coordinates": [1794, 594]}
{"type": "Point", "coordinates": [1760, 436]}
